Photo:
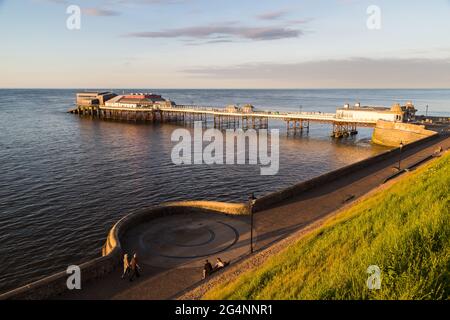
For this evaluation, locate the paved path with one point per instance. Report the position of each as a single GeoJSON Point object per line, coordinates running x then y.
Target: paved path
{"type": "Point", "coordinates": [173, 249]}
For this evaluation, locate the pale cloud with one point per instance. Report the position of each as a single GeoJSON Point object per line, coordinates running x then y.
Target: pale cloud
{"type": "Point", "coordinates": [100, 12]}
{"type": "Point", "coordinates": [205, 32]}
{"type": "Point", "coordinates": [299, 21]}
{"type": "Point", "coordinates": [148, 1]}
{"type": "Point", "coordinates": [348, 73]}
{"type": "Point", "coordinates": [272, 15]}
{"type": "Point", "coordinates": [53, 1]}
{"type": "Point", "coordinates": [213, 41]}
{"type": "Point", "coordinates": [89, 11]}
{"type": "Point", "coordinates": [121, 2]}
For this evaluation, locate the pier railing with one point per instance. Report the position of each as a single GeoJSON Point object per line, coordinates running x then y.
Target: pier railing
{"type": "Point", "coordinates": [223, 117]}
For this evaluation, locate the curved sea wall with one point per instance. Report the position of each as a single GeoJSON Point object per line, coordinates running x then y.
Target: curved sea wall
{"type": "Point", "coordinates": [54, 285]}
{"type": "Point", "coordinates": [392, 133]}
{"type": "Point", "coordinates": [128, 222]}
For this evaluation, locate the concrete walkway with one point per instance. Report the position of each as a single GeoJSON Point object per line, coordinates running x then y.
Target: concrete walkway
{"type": "Point", "coordinates": [173, 250]}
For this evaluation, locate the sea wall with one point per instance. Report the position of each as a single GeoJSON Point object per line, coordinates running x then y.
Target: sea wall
{"type": "Point", "coordinates": [295, 190]}
{"type": "Point", "coordinates": [221, 207]}
{"type": "Point", "coordinates": [134, 219]}
{"type": "Point", "coordinates": [54, 285]}
{"type": "Point", "coordinates": [392, 133]}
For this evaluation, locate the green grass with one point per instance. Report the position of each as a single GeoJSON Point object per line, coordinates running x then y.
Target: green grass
{"type": "Point", "coordinates": [403, 229]}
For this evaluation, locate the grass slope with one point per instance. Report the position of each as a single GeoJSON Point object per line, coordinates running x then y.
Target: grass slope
{"type": "Point", "coordinates": [403, 229]}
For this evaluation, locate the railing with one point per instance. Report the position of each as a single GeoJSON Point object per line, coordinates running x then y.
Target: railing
{"type": "Point", "coordinates": [214, 110]}
{"type": "Point", "coordinates": [197, 107]}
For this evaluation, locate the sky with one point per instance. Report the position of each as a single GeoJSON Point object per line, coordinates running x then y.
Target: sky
{"type": "Point", "coordinates": [225, 44]}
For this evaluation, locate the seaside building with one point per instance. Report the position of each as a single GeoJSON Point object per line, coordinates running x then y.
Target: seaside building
{"type": "Point", "coordinates": [248, 108]}
{"type": "Point", "coordinates": [396, 113]}
{"type": "Point", "coordinates": [409, 111]}
{"type": "Point", "coordinates": [232, 108]}
{"type": "Point", "coordinates": [94, 98]}
{"type": "Point", "coordinates": [139, 100]}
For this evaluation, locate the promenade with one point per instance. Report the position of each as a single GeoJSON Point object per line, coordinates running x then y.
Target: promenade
{"type": "Point", "coordinates": [176, 263]}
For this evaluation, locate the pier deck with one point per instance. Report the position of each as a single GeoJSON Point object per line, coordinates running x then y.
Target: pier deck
{"type": "Point", "coordinates": [296, 122]}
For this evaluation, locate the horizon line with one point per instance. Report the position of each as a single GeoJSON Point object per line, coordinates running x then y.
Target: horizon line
{"type": "Point", "coordinates": [205, 88]}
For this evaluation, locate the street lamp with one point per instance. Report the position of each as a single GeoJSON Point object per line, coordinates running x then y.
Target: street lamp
{"type": "Point", "coordinates": [400, 156]}
{"type": "Point", "coordinates": [251, 232]}
{"type": "Point", "coordinates": [251, 201]}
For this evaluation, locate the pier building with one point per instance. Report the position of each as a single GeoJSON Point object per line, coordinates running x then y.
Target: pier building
{"type": "Point", "coordinates": [368, 113]}
{"type": "Point", "coordinates": [139, 100]}
{"type": "Point", "coordinates": [94, 98]}
{"type": "Point", "coordinates": [396, 113]}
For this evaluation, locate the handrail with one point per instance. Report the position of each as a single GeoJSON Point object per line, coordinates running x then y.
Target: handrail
{"type": "Point", "coordinates": [313, 116]}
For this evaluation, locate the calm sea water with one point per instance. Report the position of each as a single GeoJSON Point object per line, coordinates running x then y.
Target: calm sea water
{"type": "Point", "coordinates": [65, 180]}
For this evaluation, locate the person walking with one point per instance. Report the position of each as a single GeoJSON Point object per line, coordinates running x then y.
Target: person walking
{"type": "Point", "coordinates": [126, 266]}
{"type": "Point", "coordinates": [207, 269]}
{"type": "Point", "coordinates": [134, 267]}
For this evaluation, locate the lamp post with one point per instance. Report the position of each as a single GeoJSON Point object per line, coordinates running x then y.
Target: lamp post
{"type": "Point", "coordinates": [251, 200]}
{"type": "Point", "coordinates": [251, 232]}
{"type": "Point", "coordinates": [400, 156]}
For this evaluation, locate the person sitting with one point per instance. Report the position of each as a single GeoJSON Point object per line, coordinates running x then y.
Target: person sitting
{"type": "Point", "coordinates": [126, 266]}
{"type": "Point", "coordinates": [134, 267]}
{"type": "Point", "coordinates": [207, 269]}
{"type": "Point", "coordinates": [220, 264]}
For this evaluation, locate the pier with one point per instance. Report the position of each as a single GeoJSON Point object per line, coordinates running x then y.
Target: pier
{"type": "Point", "coordinates": [153, 108]}
{"type": "Point", "coordinates": [221, 118]}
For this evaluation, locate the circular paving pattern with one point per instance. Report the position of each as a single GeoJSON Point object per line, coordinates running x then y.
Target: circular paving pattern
{"type": "Point", "coordinates": [188, 238]}
{"type": "Point", "coordinates": [202, 236]}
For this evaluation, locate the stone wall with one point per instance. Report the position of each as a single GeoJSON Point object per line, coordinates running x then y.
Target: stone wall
{"type": "Point", "coordinates": [221, 207]}
{"type": "Point", "coordinates": [290, 192]}
{"type": "Point", "coordinates": [392, 133]}
{"type": "Point", "coordinates": [54, 285]}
